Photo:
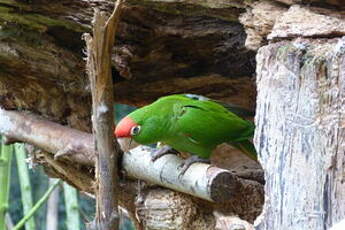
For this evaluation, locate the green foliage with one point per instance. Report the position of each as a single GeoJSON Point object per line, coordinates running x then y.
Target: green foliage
{"type": "Point", "coordinates": [38, 204]}
{"type": "Point", "coordinates": [25, 185]}
{"type": "Point", "coordinates": [72, 208]}
{"type": "Point", "coordinates": [39, 184]}
{"type": "Point", "coordinates": [5, 173]}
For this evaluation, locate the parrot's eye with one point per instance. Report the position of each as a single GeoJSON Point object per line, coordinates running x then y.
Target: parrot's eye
{"type": "Point", "coordinates": [135, 130]}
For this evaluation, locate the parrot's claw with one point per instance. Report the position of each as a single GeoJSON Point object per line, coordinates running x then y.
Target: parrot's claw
{"type": "Point", "coordinates": [191, 160]}
{"type": "Point", "coordinates": [162, 151]}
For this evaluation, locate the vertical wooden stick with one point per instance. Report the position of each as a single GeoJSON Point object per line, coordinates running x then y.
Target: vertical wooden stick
{"type": "Point", "coordinates": [99, 49]}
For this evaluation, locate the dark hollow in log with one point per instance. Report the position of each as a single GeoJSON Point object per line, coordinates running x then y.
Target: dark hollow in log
{"type": "Point", "coordinates": [158, 52]}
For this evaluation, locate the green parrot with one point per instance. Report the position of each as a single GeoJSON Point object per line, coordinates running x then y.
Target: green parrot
{"type": "Point", "coordinates": [189, 123]}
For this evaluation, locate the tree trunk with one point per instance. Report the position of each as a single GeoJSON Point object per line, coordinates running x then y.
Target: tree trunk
{"type": "Point", "coordinates": [300, 133]}
{"type": "Point", "coordinates": [300, 119]}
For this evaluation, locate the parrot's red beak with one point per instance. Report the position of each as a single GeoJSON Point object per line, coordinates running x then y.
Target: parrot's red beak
{"type": "Point", "coordinates": [123, 128]}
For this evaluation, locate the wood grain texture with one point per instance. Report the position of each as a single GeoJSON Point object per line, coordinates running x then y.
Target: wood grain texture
{"type": "Point", "coordinates": [300, 133]}
{"type": "Point", "coordinates": [98, 64]}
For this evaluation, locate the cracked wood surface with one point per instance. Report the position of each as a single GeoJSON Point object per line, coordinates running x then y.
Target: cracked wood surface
{"type": "Point", "coordinates": [300, 133]}
{"type": "Point", "coordinates": [98, 64]}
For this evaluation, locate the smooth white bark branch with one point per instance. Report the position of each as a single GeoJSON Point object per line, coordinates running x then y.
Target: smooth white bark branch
{"type": "Point", "coordinates": [200, 180]}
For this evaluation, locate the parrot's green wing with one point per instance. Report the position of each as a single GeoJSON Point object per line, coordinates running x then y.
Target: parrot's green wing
{"type": "Point", "coordinates": [200, 124]}
{"type": "Point", "coordinates": [242, 143]}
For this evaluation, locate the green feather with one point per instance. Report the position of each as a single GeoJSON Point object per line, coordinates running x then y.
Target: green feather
{"type": "Point", "coordinates": [194, 124]}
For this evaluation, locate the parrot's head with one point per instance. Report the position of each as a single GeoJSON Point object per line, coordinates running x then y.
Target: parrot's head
{"type": "Point", "coordinates": [139, 126]}
{"type": "Point", "coordinates": [127, 128]}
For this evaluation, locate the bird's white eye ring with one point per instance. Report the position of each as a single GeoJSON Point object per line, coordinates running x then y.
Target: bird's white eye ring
{"type": "Point", "coordinates": [135, 130]}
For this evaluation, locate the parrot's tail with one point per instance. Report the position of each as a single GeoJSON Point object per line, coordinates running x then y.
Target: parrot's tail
{"type": "Point", "coordinates": [246, 147]}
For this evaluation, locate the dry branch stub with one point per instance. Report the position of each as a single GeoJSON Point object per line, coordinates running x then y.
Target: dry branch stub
{"type": "Point", "coordinates": [99, 48]}
{"type": "Point", "coordinates": [222, 184]}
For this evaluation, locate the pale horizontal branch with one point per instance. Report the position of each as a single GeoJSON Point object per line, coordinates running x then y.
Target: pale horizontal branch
{"type": "Point", "coordinates": [200, 180]}
{"type": "Point", "coordinates": [47, 135]}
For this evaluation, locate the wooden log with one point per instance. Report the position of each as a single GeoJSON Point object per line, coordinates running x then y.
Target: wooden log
{"type": "Point", "coordinates": [300, 133]}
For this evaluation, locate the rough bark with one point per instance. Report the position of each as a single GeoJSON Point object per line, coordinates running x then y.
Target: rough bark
{"type": "Point", "coordinates": [325, 3]}
{"type": "Point", "coordinates": [163, 48]}
{"type": "Point", "coordinates": [99, 49]}
{"type": "Point", "coordinates": [268, 20]}
{"type": "Point", "coordinates": [300, 132]}
{"type": "Point", "coordinates": [299, 117]}
{"type": "Point", "coordinates": [301, 21]}
{"type": "Point", "coordinates": [259, 20]}
{"type": "Point", "coordinates": [245, 202]}
{"type": "Point", "coordinates": [154, 45]}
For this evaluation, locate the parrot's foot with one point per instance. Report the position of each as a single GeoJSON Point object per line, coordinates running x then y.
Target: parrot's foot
{"type": "Point", "coordinates": [162, 151]}
{"type": "Point", "coordinates": [191, 160]}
